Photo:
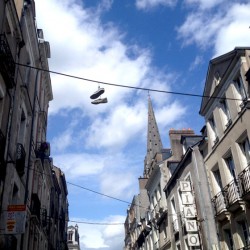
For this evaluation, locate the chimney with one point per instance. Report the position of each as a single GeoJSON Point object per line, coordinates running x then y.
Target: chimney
{"type": "Point", "coordinates": [142, 182]}
{"type": "Point", "coordinates": [175, 141]}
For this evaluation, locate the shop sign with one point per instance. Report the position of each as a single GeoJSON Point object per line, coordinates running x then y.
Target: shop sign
{"type": "Point", "coordinates": [193, 240]}
{"type": "Point", "coordinates": [15, 219]}
{"type": "Point", "coordinates": [189, 212]}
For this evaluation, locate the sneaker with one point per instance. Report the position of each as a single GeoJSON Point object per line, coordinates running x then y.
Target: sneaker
{"type": "Point", "coordinates": [99, 92]}
{"type": "Point", "coordinates": [100, 100]}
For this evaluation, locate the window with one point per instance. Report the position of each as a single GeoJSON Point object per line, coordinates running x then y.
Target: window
{"type": "Point", "coordinates": [15, 194]}
{"type": "Point", "coordinates": [164, 229]}
{"type": "Point", "coordinates": [174, 216]}
{"type": "Point", "coordinates": [225, 112]}
{"type": "Point", "coordinates": [217, 178]}
{"type": "Point", "coordinates": [229, 239]}
{"type": "Point", "coordinates": [214, 134]}
{"type": "Point", "coordinates": [22, 130]}
{"type": "Point", "coordinates": [180, 200]}
{"type": "Point", "coordinates": [245, 237]}
{"type": "Point", "coordinates": [239, 85]}
{"type": "Point", "coordinates": [245, 148]}
{"type": "Point", "coordinates": [158, 193]}
{"type": "Point", "coordinates": [231, 166]}
{"type": "Point", "coordinates": [70, 235]}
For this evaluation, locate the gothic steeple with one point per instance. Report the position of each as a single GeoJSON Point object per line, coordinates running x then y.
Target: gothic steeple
{"type": "Point", "coordinates": [154, 144]}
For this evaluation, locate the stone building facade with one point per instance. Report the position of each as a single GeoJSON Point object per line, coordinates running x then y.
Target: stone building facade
{"type": "Point", "coordinates": [227, 149]}
{"type": "Point", "coordinates": [199, 188]}
{"type": "Point", "coordinates": [30, 187]}
{"type": "Point", "coordinates": [73, 238]}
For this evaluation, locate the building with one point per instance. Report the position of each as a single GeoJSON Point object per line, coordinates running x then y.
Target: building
{"type": "Point", "coordinates": [73, 238]}
{"type": "Point", "coordinates": [191, 219]}
{"type": "Point", "coordinates": [199, 189]}
{"type": "Point", "coordinates": [153, 229]}
{"type": "Point", "coordinates": [137, 222]}
{"type": "Point", "coordinates": [30, 188]}
{"type": "Point", "coordinates": [227, 150]}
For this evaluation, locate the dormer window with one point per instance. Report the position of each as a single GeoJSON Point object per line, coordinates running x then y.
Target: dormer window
{"type": "Point", "coordinates": [217, 78]}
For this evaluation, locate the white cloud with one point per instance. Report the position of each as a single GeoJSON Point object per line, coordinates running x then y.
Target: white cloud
{"type": "Point", "coordinates": [118, 127]}
{"type": "Point", "coordinates": [149, 4]}
{"type": "Point", "coordinates": [126, 179]}
{"type": "Point", "coordinates": [198, 60]}
{"type": "Point", "coordinates": [101, 236]}
{"type": "Point", "coordinates": [222, 30]}
{"type": "Point", "coordinates": [205, 4]}
{"type": "Point", "coordinates": [79, 164]}
{"type": "Point", "coordinates": [83, 47]}
{"type": "Point", "coordinates": [105, 167]}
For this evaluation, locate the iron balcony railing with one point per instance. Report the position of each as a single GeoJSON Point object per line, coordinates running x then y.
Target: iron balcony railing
{"type": "Point", "coordinates": [232, 193]}
{"type": "Point", "coordinates": [219, 202]}
{"type": "Point", "coordinates": [227, 197]}
{"type": "Point", "coordinates": [42, 150]}
{"type": "Point", "coordinates": [244, 181]}
{"type": "Point", "coordinates": [20, 159]}
{"type": "Point", "coordinates": [245, 247]}
{"type": "Point", "coordinates": [7, 63]}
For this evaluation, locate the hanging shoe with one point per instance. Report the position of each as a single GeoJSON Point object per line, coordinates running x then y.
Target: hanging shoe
{"type": "Point", "coordinates": [99, 92]}
{"type": "Point", "coordinates": [100, 100]}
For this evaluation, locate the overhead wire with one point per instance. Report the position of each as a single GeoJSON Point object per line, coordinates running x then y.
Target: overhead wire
{"type": "Point", "coordinates": [88, 189]}
{"type": "Point", "coordinates": [102, 194]}
{"type": "Point", "coordinates": [128, 86]}
{"type": "Point", "coordinates": [123, 86]}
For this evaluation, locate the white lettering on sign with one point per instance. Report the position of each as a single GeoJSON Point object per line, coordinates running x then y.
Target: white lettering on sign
{"type": "Point", "coordinates": [185, 186]}
{"type": "Point", "coordinates": [191, 226]}
{"type": "Point", "coordinates": [193, 240]}
{"type": "Point", "coordinates": [187, 198]}
{"type": "Point", "coordinates": [189, 212]}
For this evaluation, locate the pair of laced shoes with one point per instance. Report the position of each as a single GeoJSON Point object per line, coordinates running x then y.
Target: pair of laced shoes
{"type": "Point", "coordinates": [97, 94]}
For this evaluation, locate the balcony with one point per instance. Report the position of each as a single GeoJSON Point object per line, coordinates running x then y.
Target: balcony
{"type": "Point", "coordinates": [245, 247]}
{"type": "Point", "coordinates": [219, 203]}
{"type": "Point", "coordinates": [7, 63]}
{"type": "Point", "coordinates": [20, 159]}
{"type": "Point", "coordinates": [43, 150]}
{"type": "Point", "coordinates": [232, 195]}
{"type": "Point", "coordinates": [228, 200]}
{"type": "Point", "coordinates": [244, 183]}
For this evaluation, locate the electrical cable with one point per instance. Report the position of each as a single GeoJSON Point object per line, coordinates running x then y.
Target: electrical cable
{"type": "Point", "coordinates": [127, 86]}
{"type": "Point", "coordinates": [90, 190]}
{"type": "Point", "coordinates": [99, 193]}
{"type": "Point", "coordinates": [97, 223]}
{"type": "Point", "coordinates": [111, 197]}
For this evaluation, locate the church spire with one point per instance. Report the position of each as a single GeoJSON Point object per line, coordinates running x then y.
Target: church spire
{"type": "Point", "coordinates": [154, 144]}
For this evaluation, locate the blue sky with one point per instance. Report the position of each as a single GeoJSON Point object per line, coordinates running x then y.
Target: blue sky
{"type": "Point", "coordinates": [159, 44]}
